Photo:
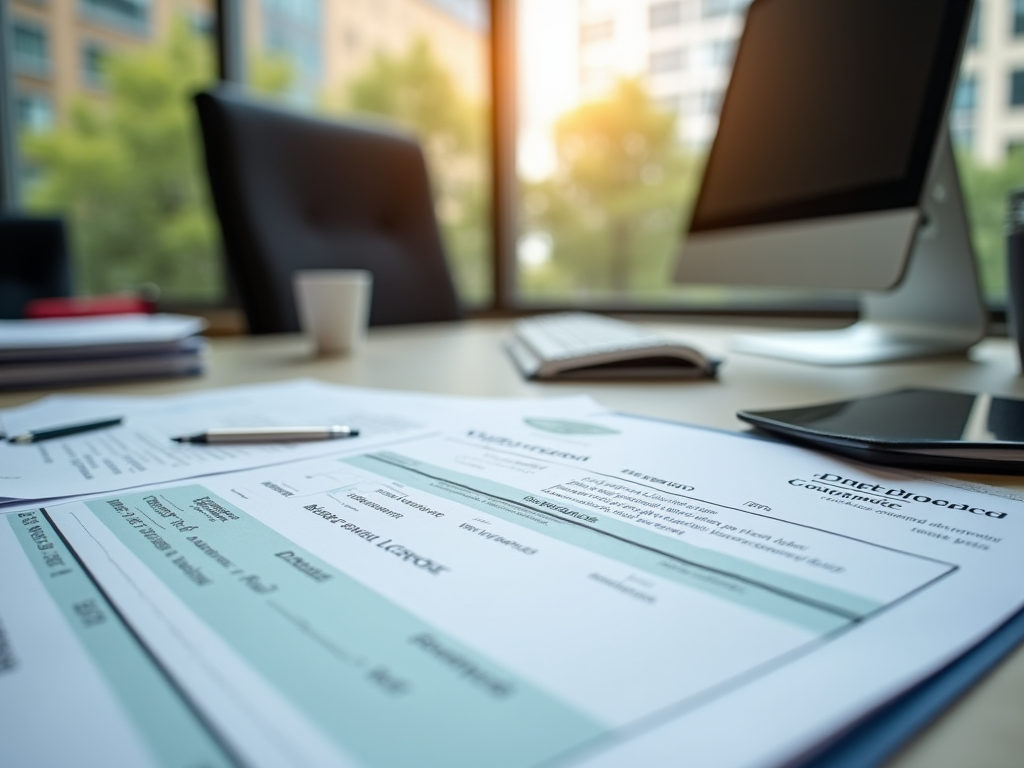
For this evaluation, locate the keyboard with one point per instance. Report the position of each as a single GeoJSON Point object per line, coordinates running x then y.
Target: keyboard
{"type": "Point", "coordinates": [582, 345]}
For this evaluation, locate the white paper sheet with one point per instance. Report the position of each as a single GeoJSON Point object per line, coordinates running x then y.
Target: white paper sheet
{"type": "Point", "coordinates": [542, 587]}
{"type": "Point", "coordinates": [67, 338]}
{"type": "Point", "coordinates": [141, 451]}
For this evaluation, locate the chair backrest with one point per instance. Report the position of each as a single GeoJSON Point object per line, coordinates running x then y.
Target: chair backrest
{"type": "Point", "coordinates": [34, 262]}
{"type": "Point", "coordinates": [297, 192]}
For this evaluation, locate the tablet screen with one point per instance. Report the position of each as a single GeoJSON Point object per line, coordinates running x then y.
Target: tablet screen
{"type": "Point", "coordinates": [912, 416]}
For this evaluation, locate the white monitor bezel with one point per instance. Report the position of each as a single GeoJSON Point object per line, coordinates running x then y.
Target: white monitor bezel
{"type": "Point", "coordinates": [860, 249]}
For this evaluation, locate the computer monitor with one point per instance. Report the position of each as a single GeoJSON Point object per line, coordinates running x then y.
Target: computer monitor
{"type": "Point", "coordinates": [832, 169]}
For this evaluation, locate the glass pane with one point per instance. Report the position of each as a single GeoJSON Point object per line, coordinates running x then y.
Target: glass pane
{"type": "Point", "coordinates": [618, 105]}
{"type": "Point", "coordinates": [107, 140]}
{"type": "Point", "coordinates": [987, 124]}
{"type": "Point", "coordinates": [420, 63]}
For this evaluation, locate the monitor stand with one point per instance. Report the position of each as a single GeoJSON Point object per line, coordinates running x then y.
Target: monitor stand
{"type": "Point", "coordinates": [936, 309]}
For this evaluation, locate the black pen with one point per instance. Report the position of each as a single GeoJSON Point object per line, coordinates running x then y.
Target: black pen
{"type": "Point", "coordinates": [269, 435]}
{"type": "Point", "coordinates": [70, 429]}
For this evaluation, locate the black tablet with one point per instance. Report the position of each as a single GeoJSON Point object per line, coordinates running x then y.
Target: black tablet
{"type": "Point", "coordinates": [923, 428]}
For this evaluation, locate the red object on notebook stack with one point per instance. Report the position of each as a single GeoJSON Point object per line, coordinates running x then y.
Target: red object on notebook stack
{"type": "Point", "coordinates": [87, 307]}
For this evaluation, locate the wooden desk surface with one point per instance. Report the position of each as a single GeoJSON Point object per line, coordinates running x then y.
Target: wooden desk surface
{"type": "Point", "coordinates": [982, 731]}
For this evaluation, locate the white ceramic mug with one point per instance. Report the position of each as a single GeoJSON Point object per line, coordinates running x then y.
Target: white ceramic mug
{"type": "Point", "coordinates": [334, 307]}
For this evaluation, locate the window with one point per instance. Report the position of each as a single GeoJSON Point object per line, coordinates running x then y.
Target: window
{"type": "Point", "coordinates": [35, 116]}
{"type": "Point", "coordinates": [973, 31]}
{"type": "Point", "coordinates": [596, 80]}
{"type": "Point", "coordinates": [965, 97]}
{"type": "Point", "coordinates": [292, 32]}
{"type": "Point", "coordinates": [419, 64]}
{"type": "Point", "coordinates": [712, 8]}
{"type": "Point", "coordinates": [702, 104]}
{"type": "Point", "coordinates": [109, 143]}
{"type": "Point", "coordinates": [963, 137]}
{"type": "Point", "coordinates": [31, 51]}
{"type": "Point", "coordinates": [128, 15]}
{"type": "Point", "coordinates": [670, 103]}
{"type": "Point", "coordinates": [714, 55]}
{"type": "Point", "coordinates": [616, 106]}
{"type": "Point", "coordinates": [666, 61]}
{"type": "Point", "coordinates": [351, 38]}
{"type": "Point", "coordinates": [596, 31]}
{"type": "Point", "coordinates": [665, 15]}
{"type": "Point", "coordinates": [92, 65]}
{"type": "Point", "coordinates": [607, 175]}
{"type": "Point", "coordinates": [35, 112]}
{"type": "Point", "coordinates": [201, 22]}
{"type": "Point", "coordinates": [962, 112]}
{"type": "Point", "coordinates": [1017, 88]}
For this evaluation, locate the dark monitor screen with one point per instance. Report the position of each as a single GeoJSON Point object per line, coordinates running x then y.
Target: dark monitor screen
{"type": "Point", "coordinates": [803, 133]}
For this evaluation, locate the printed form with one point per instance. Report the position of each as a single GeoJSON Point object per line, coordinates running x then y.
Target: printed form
{"type": "Point", "coordinates": [531, 586]}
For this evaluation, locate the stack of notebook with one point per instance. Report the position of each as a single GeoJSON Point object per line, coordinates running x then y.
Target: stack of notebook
{"type": "Point", "coordinates": [92, 349]}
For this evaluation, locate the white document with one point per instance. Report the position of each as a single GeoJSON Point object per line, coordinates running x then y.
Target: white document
{"type": "Point", "coordinates": [532, 587]}
{"type": "Point", "coordinates": [140, 451]}
{"type": "Point", "coordinates": [59, 338]}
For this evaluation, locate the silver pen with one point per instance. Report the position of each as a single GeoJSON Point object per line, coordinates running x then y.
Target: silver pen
{"type": "Point", "coordinates": [268, 435]}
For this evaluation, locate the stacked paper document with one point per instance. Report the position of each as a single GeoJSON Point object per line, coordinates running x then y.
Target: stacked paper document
{"type": "Point", "coordinates": [90, 349]}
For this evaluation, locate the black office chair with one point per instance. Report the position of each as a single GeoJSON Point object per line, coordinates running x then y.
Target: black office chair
{"type": "Point", "coordinates": [34, 262]}
{"type": "Point", "coordinates": [298, 192]}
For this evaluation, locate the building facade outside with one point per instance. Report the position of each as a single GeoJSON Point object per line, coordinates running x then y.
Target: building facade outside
{"type": "Point", "coordinates": [357, 30]}
{"type": "Point", "coordinates": [327, 43]}
{"type": "Point", "coordinates": [59, 45]}
{"type": "Point", "coordinates": [681, 50]}
{"type": "Point", "coordinates": [304, 52]}
{"type": "Point", "coordinates": [684, 48]}
{"type": "Point", "coordinates": [674, 57]}
{"type": "Point", "coordinates": [987, 117]}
